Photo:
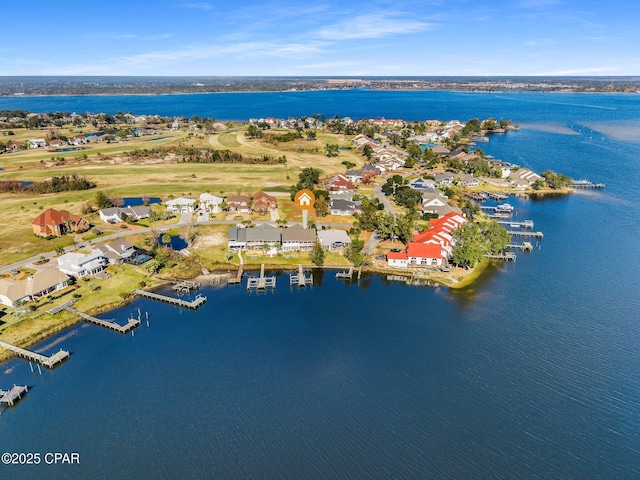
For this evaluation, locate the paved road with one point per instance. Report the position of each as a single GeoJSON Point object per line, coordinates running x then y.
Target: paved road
{"type": "Point", "coordinates": [377, 191]}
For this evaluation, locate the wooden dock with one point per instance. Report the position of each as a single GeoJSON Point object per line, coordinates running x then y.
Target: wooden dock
{"type": "Point", "coordinates": [300, 279]}
{"type": "Point", "coordinates": [585, 184]}
{"type": "Point", "coordinates": [237, 279]}
{"type": "Point", "coordinates": [131, 324]}
{"type": "Point", "coordinates": [48, 362]}
{"type": "Point", "coordinates": [345, 275]}
{"type": "Point", "coordinates": [497, 196]}
{"type": "Point", "coordinates": [516, 233]}
{"type": "Point", "coordinates": [185, 286]}
{"type": "Point", "coordinates": [193, 304]}
{"type": "Point", "coordinates": [524, 246]}
{"type": "Point", "coordinates": [9, 397]}
{"type": "Point", "coordinates": [261, 282]}
{"type": "Point", "coordinates": [527, 224]}
{"type": "Point", "coordinates": [507, 257]}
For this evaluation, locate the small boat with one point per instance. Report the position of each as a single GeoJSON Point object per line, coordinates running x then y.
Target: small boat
{"type": "Point", "coordinates": [505, 207]}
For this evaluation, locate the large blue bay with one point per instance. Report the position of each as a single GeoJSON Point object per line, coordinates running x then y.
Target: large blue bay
{"type": "Point", "coordinates": [532, 372]}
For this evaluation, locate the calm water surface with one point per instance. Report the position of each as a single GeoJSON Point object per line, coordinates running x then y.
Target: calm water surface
{"type": "Point", "coordinates": [530, 373]}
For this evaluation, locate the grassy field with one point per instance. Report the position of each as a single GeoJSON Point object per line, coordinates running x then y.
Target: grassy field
{"type": "Point", "coordinates": [118, 175]}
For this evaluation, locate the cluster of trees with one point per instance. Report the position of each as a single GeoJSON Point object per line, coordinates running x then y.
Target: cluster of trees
{"type": "Point", "coordinates": [475, 239]}
{"type": "Point", "coordinates": [556, 180]}
{"type": "Point", "coordinates": [475, 126]}
{"type": "Point", "coordinates": [402, 194]}
{"type": "Point", "coordinates": [196, 155]}
{"type": "Point", "coordinates": [64, 183]}
{"type": "Point", "coordinates": [373, 218]}
{"type": "Point", "coordinates": [308, 178]}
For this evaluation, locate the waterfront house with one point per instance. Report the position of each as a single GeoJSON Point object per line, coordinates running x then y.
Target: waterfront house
{"type": "Point", "coordinates": [211, 203]}
{"type": "Point", "coordinates": [398, 259]}
{"type": "Point", "coordinates": [424, 255]}
{"type": "Point", "coordinates": [298, 238]}
{"type": "Point", "coordinates": [239, 203]}
{"type": "Point", "coordinates": [37, 143]}
{"type": "Point", "coordinates": [119, 214]}
{"type": "Point", "coordinates": [236, 238]}
{"type": "Point", "coordinates": [57, 143]}
{"type": "Point", "coordinates": [38, 285]}
{"type": "Point", "coordinates": [467, 179]}
{"type": "Point", "coordinates": [333, 239]}
{"type": "Point", "coordinates": [262, 235]}
{"type": "Point", "coordinates": [263, 202]}
{"type": "Point", "coordinates": [181, 205]}
{"type": "Point", "coordinates": [82, 264]}
{"type": "Point", "coordinates": [524, 178]}
{"type": "Point", "coordinates": [56, 223]}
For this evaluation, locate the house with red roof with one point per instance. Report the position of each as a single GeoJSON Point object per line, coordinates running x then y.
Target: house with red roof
{"type": "Point", "coordinates": [339, 183]}
{"type": "Point", "coordinates": [56, 223]}
{"type": "Point", "coordinates": [431, 247]}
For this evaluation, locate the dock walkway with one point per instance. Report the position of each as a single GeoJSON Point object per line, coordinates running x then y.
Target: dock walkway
{"type": "Point", "coordinates": [300, 279]}
{"type": "Point", "coordinates": [507, 257]}
{"type": "Point", "coordinates": [345, 275]}
{"type": "Point", "coordinates": [9, 397]}
{"type": "Point", "coordinates": [131, 324]}
{"type": "Point", "coordinates": [48, 362]}
{"type": "Point", "coordinates": [261, 282]}
{"type": "Point", "coordinates": [193, 304]}
{"type": "Point", "coordinates": [515, 233]}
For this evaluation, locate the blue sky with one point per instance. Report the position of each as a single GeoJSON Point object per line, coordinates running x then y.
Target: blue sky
{"type": "Point", "coordinates": [274, 37]}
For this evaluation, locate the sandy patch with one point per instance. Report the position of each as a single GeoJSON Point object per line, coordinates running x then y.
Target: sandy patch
{"type": "Point", "coordinates": [213, 240]}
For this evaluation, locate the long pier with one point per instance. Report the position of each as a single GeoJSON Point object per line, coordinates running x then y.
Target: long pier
{"type": "Point", "coordinates": [193, 304]}
{"type": "Point", "coordinates": [131, 324]}
{"type": "Point", "coordinates": [48, 362]}
{"type": "Point", "coordinates": [507, 257]}
{"type": "Point", "coordinates": [261, 282]}
{"type": "Point", "coordinates": [9, 397]}
{"type": "Point", "coordinates": [585, 184]}
{"type": "Point", "coordinates": [528, 224]}
{"type": "Point", "coordinates": [516, 233]}
{"type": "Point", "coordinates": [300, 279]}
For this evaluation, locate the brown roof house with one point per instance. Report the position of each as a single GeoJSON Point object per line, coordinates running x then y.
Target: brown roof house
{"type": "Point", "coordinates": [56, 223]}
{"type": "Point", "coordinates": [263, 202]}
{"type": "Point", "coordinates": [298, 238]}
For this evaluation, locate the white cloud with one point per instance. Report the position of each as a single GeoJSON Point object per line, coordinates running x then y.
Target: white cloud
{"type": "Point", "coordinates": [372, 25]}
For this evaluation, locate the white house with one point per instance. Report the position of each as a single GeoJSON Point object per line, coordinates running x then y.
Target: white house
{"type": "Point", "coordinates": [181, 205]}
{"type": "Point", "coordinates": [210, 203]}
{"type": "Point", "coordinates": [118, 214]}
{"type": "Point", "coordinates": [37, 143]}
{"type": "Point", "coordinates": [82, 265]}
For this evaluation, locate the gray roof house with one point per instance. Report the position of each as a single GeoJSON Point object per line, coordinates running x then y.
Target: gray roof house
{"type": "Point", "coordinates": [298, 238]}
{"type": "Point", "coordinates": [343, 207]}
{"type": "Point", "coordinates": [236, 238]}
{"type": "Point", "coordinates": [333, 239]}
{"type": "Point", "coordinates": [261, 235]}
